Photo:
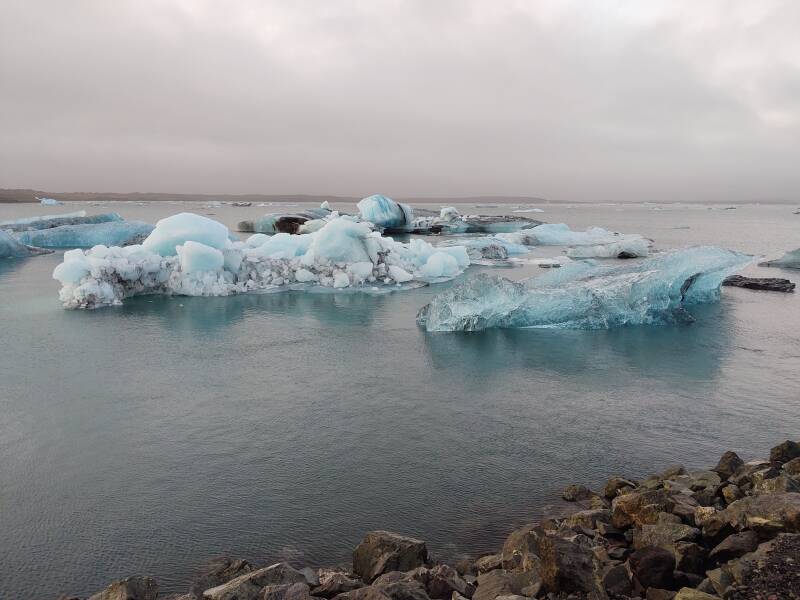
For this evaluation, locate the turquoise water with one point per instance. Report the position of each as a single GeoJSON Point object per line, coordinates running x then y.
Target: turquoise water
{"type": "Point", "coordinates": [152, 437]}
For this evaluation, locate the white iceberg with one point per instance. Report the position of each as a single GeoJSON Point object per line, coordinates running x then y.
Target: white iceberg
{"type": "Point", "coordinates": [191, 255]}
{"type": "Point", "coordinates": [559, 234]}
{"type": "Point", "coordinates": [630, 246]}
{"type": "Point", "coordinates": [790, 260]}
{"type": "Point", "coordinates": [586, 295]}
{"type": "Point", "coordinates": [113, 233]}
{"type": "Point", "coordinates": [49, 201]}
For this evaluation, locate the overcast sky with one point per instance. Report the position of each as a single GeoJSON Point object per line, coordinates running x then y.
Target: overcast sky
{"type": "Point", "coordinates": [572, 100]}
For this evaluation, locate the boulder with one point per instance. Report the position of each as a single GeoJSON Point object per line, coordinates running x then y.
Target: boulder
{"type": "Point", "coordinates": [639, 508]}
{"type": "Point", "coordinates": [249, 585]}
{"type": "Point", "coordinates": [693, 594]}
{"type": "Point", "coordinates": [653, 567]}
{"type": "Point", "coordinates": [573, 493]}
{"type": "Point", "coordinates": [588, 519]}
{"type": "Point", "coordinates": [765, 512]}
{"type": "Point", "coordinates": [728, 464]}
{"type": "Point", "coordinates": [287, 591]}
{"type": "Point", "coordinates": [781, 483]}
{"type": "Point", "coordinates": [335, 583]}
{"type": "Point", "coordinates": [783, 453]}
{"type": "Point", "coordinates": [792, 468]}
{"type": "Point", "coordinates": [703, 514]}
{"type": "Point", "coordinates": [566, 566]}
{"type": "Point", "coordinates": [382, 551]}
{"type": "Point", "coordinates": [616, 486]}
{"type": "Point", "coordinates": [658, 594]}
{"type": "Point", "coordinates": [216, 572]}
{"type": "Point", "coordinates": [493, 584]}
{"type": "Point", "coordinates": [519, 549]}
{"type": "Point", "coordinates": [690, 557]}
{"type": "Point", "coordinates": [403, 589]}
{"type": "Point", "coordinates": [373, 593]}
{"type": "Point", "coordinates": [617, 581]}
{"type": "Point", "coordinates": [734, 546]}
{"type": "Point", "coordinates": [442, 580]}
{"type": "Point", "coordinates": [731, 493]}
{"type": "Point", "coordinates": [131, 588]}
{"type": "Point", "coordinates": [490, 562]}
{"type": "Point", "coordinates": [664, 534]}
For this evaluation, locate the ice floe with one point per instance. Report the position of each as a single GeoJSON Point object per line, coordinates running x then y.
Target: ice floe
{"type": "Point", "coordinates": [588, 295]}
{"type": "Point", "coordinates": [12, 248]}
{"type": "Point", "coordinates": [50, 221]}
{"type": "Point", "coordinates": [286, 222]}
{"type": "Point", "coordinates": [112, 233]}
{"type": "Point", "coordinates": [189, 254]}
{"type": "Point", "coordinates": [790, 260]}
{"type": "Point", "coordinates": [49, 201]}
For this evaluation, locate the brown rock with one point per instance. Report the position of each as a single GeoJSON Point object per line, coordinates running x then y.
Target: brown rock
{"type": "Point", "coordinates": [735, 546]}
{"type": "Point", "coordinates": [639, 508]}
{"type": "Point", "coordinates": [249, 585]}
{"type": "Point", "coordinates": [588, 519]}
{"type": "Point", "coordinates": [690, 557]}
{"type": "Point", "coordinates": [216, 572]}
{"type": "Point", "coordinates": [131, 588]}
{"type": "Point", "coordinates": [731, 493]}
{"type": "Point", "coordinates": [692, 594]}
{"type": "Point", "coordinates": [664, 535]}
{"type": "Point", "coordinates": [781, 483]}
{"type": "Point", "coordinates": [783, 453]}
{"type": "Point", "coordinates": [490, 562]}
{"type": "Point", "coordinates": [653, 567]}
{"type": "Point", "coordinates": [728, 464]}
{"type": "Point", "coordinates": [616, 486]}
{"type": "Point", "coordinates": [780, 511]}
{"type": "Point", "coordinates": [573, 493]}
{"type": "Point", "coordinates": [792, 468]}
{"type": "Point", "coordinates": [335, 583]}
{"type": "Point", "coordinates": [566, 566]}
{"type": "Point", "coordinates": [617, 581]}
{"type": "Point", "coordinates": [383, 551]}
{"type": "Point", "coordinates": [657, 594]}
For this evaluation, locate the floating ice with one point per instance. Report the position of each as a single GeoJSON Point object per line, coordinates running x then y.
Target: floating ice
{"type": "Point", "coordinates": [385, 213]}
{"type": "Point", "coordinates": [185, 227]}
{"type": "Point", "coordinates": [790, 260]}
{"type": "Point", "coordinates": [449, 220]}
{"type": "Point", "coordinates": [49, 202]}
{"type": "Point", "coordinates": [283, 222]}
{"type": "Point", "coordinates": [47, 222]}
{"type": "Point", "coordinates": [586, 295]}
{"type": "Point", "coordinates": [559, 234]}
{"type": "Point", "coordinates": [632, 246]}
{"type": "Point", "coordinates": [342, 254]}
{"type": "Point", "coordinates": [113, 233]}
{"type": "Point", "coordinates": [11, 248]}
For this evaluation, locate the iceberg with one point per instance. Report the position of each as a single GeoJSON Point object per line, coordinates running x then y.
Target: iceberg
{"type": "Point", "coordinates": [385, 213]}
{"type": "Point", "coordinates": [49, 201]}
{"type": "Point", "coordinates": [47, 222]}
{"type": "Point", "coordinates": [559, 234]}
{"type": "Point", "coordinates": [283, 222]}
{"type": "Point", "coordinates": [449, 220]}
{"type": "Point", "coordinates": [790, 260]}
{"type": "Point", "coordinates": [191, 255]}
{"type": "Point", "coordinates": [588, 295]}
{"type": "Point", "coordinates": [630, 246]}
{"type": "Point", "coordinates": [113, 233]}
{"type": "Point", "coordinates": [11, 248]}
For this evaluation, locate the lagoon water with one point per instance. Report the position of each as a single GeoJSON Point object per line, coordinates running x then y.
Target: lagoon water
{"type": "Point", "coordinates": [148, 438]}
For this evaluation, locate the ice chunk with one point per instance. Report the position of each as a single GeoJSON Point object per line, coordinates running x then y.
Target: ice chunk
{"type": "Point", "coordinates": [325, 205]}
{"type": "Point", "coordinates": [257, 239]}
{"type": "Point", "coordinates": [628, 247]}
{"type": "Point", "coordinates": [112, 233]}
{"type": "Point", "coordinates": [49, 202]}
{"type": "Point", "coordinates": [47, 222]}
{"type": "Point", "coordinates": [74, 268]}
{"type": "Point", "coordinates": [196, 257]}
{"type": "Point", "coordinates": [304, 276]}
{"type": "Point", "coordinates": [11, 248]}
{"type": "Point", "coordinates": [282, 245]}
{"type": "Point", "coordinates": [283, 222]}
{"type": "Point", "coordinates": [341, 280]}
{"type": "Point", "coordinates": [559, 234]}
{"type": "Point", "coordinates": [186, 227]}
{"type": "Point", "coordinates": [440, 264]}
{"type": "Point", "coordinates": [341, 240]}
{"type": "Point", "coordinates": [586, 295]}
{"type": "Point", "coordinates": [385, 212]}
{"type": "Point", "coordinates": [790, 260]}
{"type": "Point", "coordinates": [399, 275]}
{"type": "Point", "coordinates": [449, 213]}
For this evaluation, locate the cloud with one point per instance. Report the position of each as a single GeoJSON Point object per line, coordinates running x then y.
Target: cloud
{"type": "Point", "coordinates": [573, 100]}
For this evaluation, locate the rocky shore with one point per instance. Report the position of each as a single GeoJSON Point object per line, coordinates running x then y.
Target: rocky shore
{"type": "Point", "coordinates": [730, 532]}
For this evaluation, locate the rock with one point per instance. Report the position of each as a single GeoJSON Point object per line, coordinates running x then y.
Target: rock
{"type": "Point", "coordinates": [405, 589]}
{"type": "Point", "coordinates": [690, 557]}
{"type": "Point", "coordinates": [249, 585]}
{"type": "Point", "coordinates": [373, 593]}
{"type": "Point", "coordinates": [519, 550]}
{"type": "Point", "coordinates": [335, 583]}
{"type": "Point", "coordinates": [792, 468]}
{"type": "Point", "coordinates": [767, 284]}
{"type": "Point", "coordinates": [728, 464]}
{"type": "Point", "coordinates": [565, 566]}
{"type": "Point", "coordinates": [466, 566]}
{"type": "Point", "coordinates": [683, 579]}
{"type": "Point", "coordinates": [658, 594]}
{"type": "Point", "coordinates": [493, 584]}
{"type": "Point", "coordinates": [672, 472]}
{"type": "Point", "coordinates": [490, 562]}
{"type": "Point", "coordinates": [720, 580]}
{"type": "Point", "coordinates": [684, 507]}
{"type": "Point", "coordinates": [287, 591]}
{"type": "Point", "coordinates": [588, 519]}
{"type": "Point", "coordinates": [731, 493]}
{"type": "Point", "coordinates": [617, 581]}
{"type": "Point", "coordinates": [692, 594]}
{"type": "Point", "coordinates": [639, 508]}
{"type": "Point", "coordinates": [767, 512]}
{"type": "Point", "coordinates": [781, 483]}
{"type": "Point", "coordinates": [653, 567]}
{"type": "Point", "coordinates": [441, 581]}
{"type": "Point", "coordinates": [383, 551]}
{"type": "Point", "coordinates": [131, 588]}
{"type": "Point", "coordinates": [703, 514]}
{"type": "Point", "coordinates": [771, 572]}
{"type": "Point", "coordinates": [573, 493]}
{"type": "Point", "coordinates": [735, 546]}
{"type": "Point", "coordinates": [783, 453]}
{"type": "Point", "coordinates": [216, 572]}
{"type": "Point", "coordinates": [664, 535]}
{"type": "Point", "coordinates": [616, 486]}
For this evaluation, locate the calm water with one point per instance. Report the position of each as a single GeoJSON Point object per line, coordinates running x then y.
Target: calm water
{"type": "Point", "coordinates": [151, 437]}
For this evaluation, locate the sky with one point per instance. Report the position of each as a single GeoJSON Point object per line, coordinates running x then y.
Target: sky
{"type": "Point", "coordinates": [640, 100]}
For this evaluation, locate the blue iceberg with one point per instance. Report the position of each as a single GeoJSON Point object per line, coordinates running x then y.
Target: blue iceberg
{"type": "Point", "coordinates": [11, 248]}
{"type": "Point", "coordinates": [113, 233]}
{"type": "Point", "coordinates": [385, 213]}
{"type": "Point", "coordinates": [587, 295]}
{"type": "Point", "coordinates": [48, 222]}
{"type": "Point", "coordinates": [790, 260]}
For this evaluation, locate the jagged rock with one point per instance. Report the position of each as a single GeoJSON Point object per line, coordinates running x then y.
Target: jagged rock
{"type": "Point", "coordinates": [373, 593]}
{"type": "Point", "coordinates": [216, 572]}
{"type": "Point", "coordinates": [728, 464]}
{"type": "Point", "coordinates": [766, 512]}
{"type": "Point", "coordinates": [498, 582]}
{"type": "Point", "coordinates": [792, 468]}
{"type": "Point", "coordinates": [519, 549]}
{"type": "Point", "coordinates": [781, 483]}
{"type": "Point", "coordinates": [720, 580]}
{"type": "Point", "coordinates": [639, 508]}
{"type": "Point", "coordinates": [705, 586]}
{"type": "Point", "coordinates": [734, 546]}
{"type": "Point", "coordinates": [335, 583]}
{"type": "Point", "coordinates": [465, 566]}
{"type": "Point", "coordinates": [743, 477]}
{"type": "Point", "coordinates": [690, 557]}
{"type": "Point", "coordinates": [573, 493]}
{"type": "Point", "coordinates": [566, 566]}
{"type": "Point", "coordinates": [684, 507]}
{"type": "Point", "coordinates": [784, 452]}
{"type": "Point", "coordinates": [682, 579]}
{"type": "Point", "coordinates": [249, 585]}
{"type": "Point", "coordinates": [731, 493]}
{"type": "Point", "coordinates": [404, 589]}
{"type": "Point", "coordinates": [588, 519]}
{"type": "Point", "coordinates": [287, 591]}
{"type": "Point", "coordinates": [664, 535]}
{"type": "Point", "coordinates": [653, 567]}
{"type": "Point", "coordinates": [658, 594]}
{"type": "Point", "coordinates": [130, 588]}
{"type": "Point", "coordinates": [767, 284]}
{"type": "Point", "coordinates": [616, 486]}
{"type": "Point", "coordinates": [489, 562]}
{"type": "Point", "coordinates": [692, 594]}
{"type": "Point", "coordinates": [769, 572]}
{"type": "Point", "coordinates": [384, 551]}
{"type": "Point", "coordinates": [617, 581]}
{"type": "Point", "coordinates": [441, 581]}
{"type": "Point", "coordinates": [703, 514]}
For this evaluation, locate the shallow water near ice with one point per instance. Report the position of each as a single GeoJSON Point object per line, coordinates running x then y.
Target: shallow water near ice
{"type": "Point", "coordinates": [150, 437]}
